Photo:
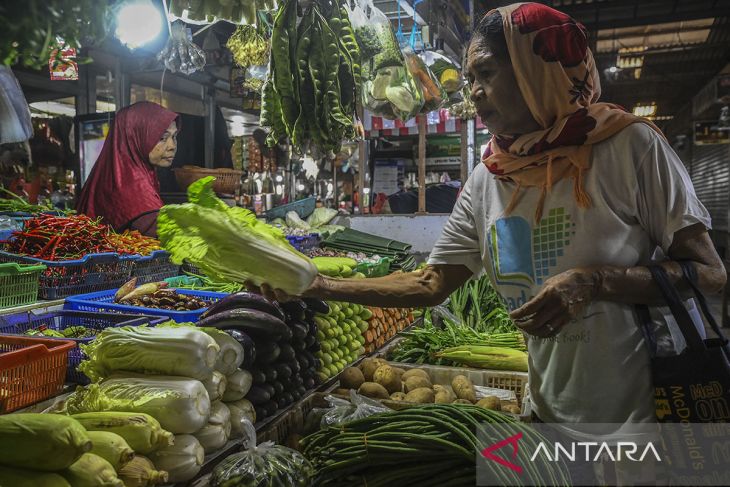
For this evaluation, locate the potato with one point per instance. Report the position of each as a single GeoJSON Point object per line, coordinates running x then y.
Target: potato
{"type": "Point", "coordinates": [422, 395]}
{"type": "Point", "coordinates": [369, 366]}
{"type": "Point", "coordinates": [444, 396]}
{"type": "Point", "coordinates": [463, 388]}
{"type": "Point", "coordinates": [415, 372]}
{"type": "Point", "coordinates": [351, 378]}
{"type": "Point", "coordinates": [416, 382]}
{"type": "Point", "coordinates": [490, 402]}
{"type": "Point", "coordinates": [373, 390]}
{"type": "Point", "coordinates": [438, 388]}
{"type": "Point", "coordinates": [461, 401]}
{"type": "Point", "coordinates": [398, 396]}
{"type": "Point", "coordinates": [341, 392]}
{"type": "Point", "coordinates": [511, 408]}
{"type": "Point", "coordinates": [399, 371]}
{"type": "Point", "coordinates": [388, 378]}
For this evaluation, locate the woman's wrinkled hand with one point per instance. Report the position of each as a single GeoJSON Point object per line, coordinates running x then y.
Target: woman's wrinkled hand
{"type": "Point", "coordinates": [562, 298]}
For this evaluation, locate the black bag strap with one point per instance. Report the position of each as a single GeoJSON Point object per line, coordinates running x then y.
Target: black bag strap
{"type": "Point", "coordinates": [130, 223]}
{"type": "Point", "coordinates": [681, 315]}
{"type": "Point", "coordinates": [690, 273]}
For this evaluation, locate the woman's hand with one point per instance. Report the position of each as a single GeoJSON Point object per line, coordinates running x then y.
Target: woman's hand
{"type": "Point", "coordinates": [562, 299]}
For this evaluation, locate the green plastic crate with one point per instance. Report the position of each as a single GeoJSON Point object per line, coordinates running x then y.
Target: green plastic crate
{"type": "Point", "coordinates": [19, 284]}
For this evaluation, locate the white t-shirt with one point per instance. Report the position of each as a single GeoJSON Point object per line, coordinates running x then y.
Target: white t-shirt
{"type": "Point", "coordinates": [596, 370]}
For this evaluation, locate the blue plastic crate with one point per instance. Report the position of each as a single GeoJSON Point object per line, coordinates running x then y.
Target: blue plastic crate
{"type": "Point", "coordinates": [155, 267]}
{"type": "Point", "coordinates": [305, 242]}
{"type": "Point", "coordinates": [93, 272]}
{"type": "Point", "coordinates": [104, 301]}
{"type": "Point", "coordinates": [19, 323]}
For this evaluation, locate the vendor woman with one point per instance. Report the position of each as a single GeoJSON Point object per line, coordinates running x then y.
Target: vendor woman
{"type": "Point", "coordinates": [123, 186]}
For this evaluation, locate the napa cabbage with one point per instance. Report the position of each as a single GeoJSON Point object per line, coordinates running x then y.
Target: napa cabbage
{"type": "Point", "coordinates": [229, 244]}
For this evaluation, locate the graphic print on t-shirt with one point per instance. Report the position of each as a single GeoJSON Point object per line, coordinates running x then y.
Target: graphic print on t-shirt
{"type": "Point", "coordinates": [523, 256]}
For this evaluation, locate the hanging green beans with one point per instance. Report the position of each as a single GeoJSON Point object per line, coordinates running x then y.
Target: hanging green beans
{"type": "Point", "coordinates": [314, 72]}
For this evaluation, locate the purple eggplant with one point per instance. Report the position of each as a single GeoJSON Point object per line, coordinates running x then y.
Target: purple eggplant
{"type": "Point", "coordinates": [245, 300]}
{"type": "Point", "coordinates": [252, 322]}
{"type": "Point", "coordinates": [316, 305]}
{"type": "Point", "coordinates": [249, 347]}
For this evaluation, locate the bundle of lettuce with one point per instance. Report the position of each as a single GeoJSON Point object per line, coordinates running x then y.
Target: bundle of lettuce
{"type": "Point", "coordinates": [229, 244]}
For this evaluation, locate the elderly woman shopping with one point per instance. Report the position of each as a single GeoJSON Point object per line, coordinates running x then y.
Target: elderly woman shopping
{"type": "Point", "coordinates": [573, 199]}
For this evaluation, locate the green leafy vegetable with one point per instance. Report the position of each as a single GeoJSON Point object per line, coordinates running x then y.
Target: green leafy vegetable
{"type": "Point", "coordinates": [230, 244]}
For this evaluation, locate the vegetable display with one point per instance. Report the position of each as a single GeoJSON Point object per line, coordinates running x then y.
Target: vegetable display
{"type": "Point", "coordinates": [314, 77]}
{"type": "Point", "coordinates": [486, 357]}
{"type": "Point", "coordinates": [142, 432]}
{"type": "Point", "coordinates": [13, 203]}
{"type": "Point", "coordinates": [421, 345]}
{"type": "Point", "coordinates": [384, 324]}
{"type": "Point", "coordinates": [340, 333]}
{"type": "Point", "coordinates": [477, 305]}
{"type": "Point", "coordinates": [266, 464]}
{"type": "Point", "coordinates": [429, 445]}
{"type": "Point", "coordinates": [230, 244]}
{"type": "Point", "coordinates": [153, 295]}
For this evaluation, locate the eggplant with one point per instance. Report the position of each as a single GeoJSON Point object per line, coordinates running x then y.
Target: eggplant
{"type": "Point", "coordinates": [258, 395]}
{"type": "Point", "coordinates": [309, 383]}
{"type": "Point", "coordinates": [287, 352]}
{"type": "Point", "coordinates": [299, 346]}
{"type": "Point", "coordinates": [289, 397]}
{"type": "Point", "coordinates": [312, 327]}
{"type": "Point", "coordinates": [296, 394]}
{"type": "Point", "coordinates": [245, 300]}
{"type": "Point", "coordinates": [295, 310]}
{"type": "Point", "coordinates": [310, 340]}
{"type": "Point", "coordinates": [270, 408]}
{"type": "Point", "coordinates": [303, 362]}
{"type": "Point", "coordinates": [258, 377]}
{"type": "Point", "coordinates": [267, 352]}
{"type": "Point", "coordinates": [283, 371]}
{"type": "Point", "coordinates": [315, 347]}
{"type": "Point", "coordinates": [301, 390]}
{"type": "Point", "coordinates": [252, 322]}
{"type": "Point", "coordinates": [316, 305]}
{"type": "Point", "coordinates": [249, 347]}
{"type": "Point", "coordinates": [270, 373]}
{"type": "Point", "coordinates": [281, 402]}
{"type": "Point", "coordinates": [278, 387]}
{"type": "Point", "coordinates": [260, 413]}
{"type": "Point", "coordinates": [299, 330]}
{"type": "Point", "coordinates": [269, 389]}
{"type": "Point", "coordinates": [309, 315]}
{"type": "Point", "coordinates": [294, 365]}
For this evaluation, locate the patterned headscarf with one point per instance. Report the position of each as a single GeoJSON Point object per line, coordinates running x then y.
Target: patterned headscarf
{"type": "Point", "coordinates": [557, 76]}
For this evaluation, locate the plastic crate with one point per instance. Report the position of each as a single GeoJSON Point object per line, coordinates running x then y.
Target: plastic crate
{"type": "Point", "coordinates": [93, 272]}
{"type": "Point", "coordinates": [104, 301]}
{"type": "Point", "coordinates": [154, 267]}
{"type": "Point", "coordinates": [31, 370]}
{"type": "Point", "coordinates": [19, 284]}
{"type": "Point", "coordinates": [19, 323]}
{"type": "Point", "coordinates": [304, 208]}
{"type": "Point", "coordinates": [305, 242]}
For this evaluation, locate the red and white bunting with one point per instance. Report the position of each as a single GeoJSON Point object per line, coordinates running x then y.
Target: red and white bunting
{"type": "Point", "coordinates": [438, 122]}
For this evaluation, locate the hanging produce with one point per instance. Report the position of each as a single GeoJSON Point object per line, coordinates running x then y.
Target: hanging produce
{"type": "Point", "coordinates": [208, 11]}
{"type": "Point", "coordinates": [180, 53]}
{"type": "Point", "coordinates": [248, 46]}
{"type": "Point", "coordinates": [446, 71]}
{"type": "Point", "coordinates": [314, 77]}
{"type": "Point", "coordinates": [434, 95]}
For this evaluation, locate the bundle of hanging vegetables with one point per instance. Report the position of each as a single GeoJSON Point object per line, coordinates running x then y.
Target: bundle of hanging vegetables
{"type": "Point", "coordinates": [314, 77]}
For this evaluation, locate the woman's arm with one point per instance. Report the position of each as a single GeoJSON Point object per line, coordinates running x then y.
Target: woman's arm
{"type": "Point", "coordinates": [426, 287]}
{"type": "Point", "coordinates": [565, 296]}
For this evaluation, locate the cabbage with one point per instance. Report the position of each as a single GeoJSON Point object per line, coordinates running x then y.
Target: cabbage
{"type": "Point", "coordinates": [231, 352]}
{"type": "Point", "coordinates": [215, 434]}
{"type": "Point", "coordinates": [216, 386]}
{"type": "Point", "coordinates": [164, 351]}
{"type": "Point", "coordinates": [180, 405]}
{"type": "Point", "coordinates": [237, 385]}
{"type": "Point", "coordinates": [182, 460]}
{"type": "Point", "coordinates": [230, 244]}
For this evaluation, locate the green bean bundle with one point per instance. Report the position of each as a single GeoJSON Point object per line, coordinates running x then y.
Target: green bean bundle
{"type": "Point", "coordinates": [428, 445]}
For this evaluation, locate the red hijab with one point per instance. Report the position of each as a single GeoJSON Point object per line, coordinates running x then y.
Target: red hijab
{"type": "Point", "coordinates": [123, 184]}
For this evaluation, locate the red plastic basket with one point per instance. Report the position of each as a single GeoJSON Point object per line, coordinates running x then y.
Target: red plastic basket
{"type": "Point", "coordinates": [31, 370]}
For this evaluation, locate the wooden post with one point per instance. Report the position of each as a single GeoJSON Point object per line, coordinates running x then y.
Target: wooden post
{"type": "Point", "coordinates": [361, 176]}
{"type": "Point", "coordinates": [422, 164]}
{"type": "Point", "coordinates": [464, 169]}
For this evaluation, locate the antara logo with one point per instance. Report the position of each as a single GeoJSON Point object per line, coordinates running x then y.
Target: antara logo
{"type": "Point", "coordinates": [593, 452]}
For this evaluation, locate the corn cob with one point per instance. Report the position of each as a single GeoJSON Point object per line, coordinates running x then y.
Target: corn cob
{"type": "Point", "coordinates": [486, 357]}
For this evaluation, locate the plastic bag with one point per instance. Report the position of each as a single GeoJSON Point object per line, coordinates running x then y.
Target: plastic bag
{"type": "Point", "coordinates": [445, 70]}
{"type": "Point", "coordinates": [180, 53]}
{"type": "Point", "coordinates": [321, 216]}
{"type": "Point", "coordinates": [343, 411]}
{"type": "Point", "coordinates": [255, 77]}
{"type": "Point", "coordinates": [434, 95]}
{"type": "Point", "coordinates": [393, 94]}
{"type": "Point", "coordinates": [266, 464]}
{"type": "Point", "coordinates": [374, 35]}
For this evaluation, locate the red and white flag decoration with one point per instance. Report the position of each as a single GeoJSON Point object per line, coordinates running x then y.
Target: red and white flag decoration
{"type": "Point", "coordinates": [437, 122]}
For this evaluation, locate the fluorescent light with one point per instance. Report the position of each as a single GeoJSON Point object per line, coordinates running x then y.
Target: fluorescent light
{"type": "Point", "coordinates": [300, 187]}
{"type": "Point", "coordinates": [646, 110]}
{"type": "Point", "coordinates": [279, 178]}
{"type": "Point", "coordinates": [138, 22]}
{"type": "Point", "coordinates": [613, 69]}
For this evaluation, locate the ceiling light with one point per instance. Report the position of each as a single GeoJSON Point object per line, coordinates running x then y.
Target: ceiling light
{"type": "Point", "coordinates": [138, 22]}
{"type": "Point", "coordinates": [645, 110]}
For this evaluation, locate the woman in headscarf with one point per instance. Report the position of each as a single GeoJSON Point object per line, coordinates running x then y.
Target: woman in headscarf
{"type": "Point", "coordinates": [573, 200]}
{"type": "Point", "coordinates": [123, 187]}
